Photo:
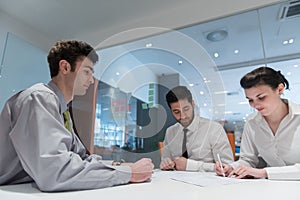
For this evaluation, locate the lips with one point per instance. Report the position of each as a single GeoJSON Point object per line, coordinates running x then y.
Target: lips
{"type": "Point", "coordinates": [259, 109]}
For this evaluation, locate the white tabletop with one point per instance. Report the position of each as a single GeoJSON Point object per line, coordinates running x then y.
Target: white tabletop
{"type": "Point", "coordinates": [162, 187]}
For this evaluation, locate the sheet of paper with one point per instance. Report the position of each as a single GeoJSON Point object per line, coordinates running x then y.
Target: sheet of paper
{"type": "Point", "coordinates": [202, 179]}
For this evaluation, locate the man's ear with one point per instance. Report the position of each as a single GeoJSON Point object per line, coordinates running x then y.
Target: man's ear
{"type": "Point", "coordinates": [64, 66]}
{"type": "Point", "coordinates": [280, 88]}
{"type": "Point", "coordinates": [193, 103]}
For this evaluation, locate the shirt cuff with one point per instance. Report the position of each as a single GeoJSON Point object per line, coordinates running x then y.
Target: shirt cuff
{"type": "Point", "coordinates": [283, 173]}
{"type": "Point", "coordinates": [107, 162]}
{"type": "Point", "coordinates": [124, 173]}
{"type": "Point", "coordinates": [200, 166]}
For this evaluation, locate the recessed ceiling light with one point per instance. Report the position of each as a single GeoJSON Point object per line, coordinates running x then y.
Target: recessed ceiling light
{"type": "Point", "coordinates": [180, 62]}
{"type": "Point", "coordinates": [243, 102]}
{"type": "Point", "coordinates": [191, 84]}
{"type": "Point", "coordinates": [236, 51]}
{"type": "Point", "coordinates": [221, 92]}
{"type": "Point", "coordinates": [289, 73]}
{"type": "Point", "coordinates": [149, 45]}
{"type": "Point", "coordinates": [117, 73]}
{"type": "Point", "coordinates": [204, 104]}
{"type": "Point", "coordinates": [285, 42]}
{"type": "Point", "coordinates": [295, 65]}
{"type": "Point", "coordinates": [217, 35]}
{"type": "Point", "coordinates": [289, 41]}
{"type": "Point", "coordinates": [201, 92]}
{"type": "Point", "coordinates": [216, 55]}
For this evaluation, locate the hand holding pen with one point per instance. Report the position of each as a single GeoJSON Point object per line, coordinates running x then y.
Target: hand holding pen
{"type": "Point", "coordinates": [221, 165]}
{"type": "Point", "coordinates": [222, 169]}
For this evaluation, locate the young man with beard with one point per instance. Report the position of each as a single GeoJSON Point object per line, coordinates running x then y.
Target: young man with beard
{"type": "Point", "coordinates": [193, 143]}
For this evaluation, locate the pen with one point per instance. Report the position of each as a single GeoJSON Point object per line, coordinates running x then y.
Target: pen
{"type": "Point", "coordinates": [221, 165]}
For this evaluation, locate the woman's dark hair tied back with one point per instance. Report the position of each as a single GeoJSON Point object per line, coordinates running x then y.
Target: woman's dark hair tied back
{"type": "Point", "coordinates": [264, 76]}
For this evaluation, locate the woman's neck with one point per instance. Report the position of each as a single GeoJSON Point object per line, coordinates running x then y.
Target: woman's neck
{"type": "Point", "coordinates": [277, 116]}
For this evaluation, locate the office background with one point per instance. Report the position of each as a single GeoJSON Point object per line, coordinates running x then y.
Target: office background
{"type": "Point", "coordinates": [146, 47]}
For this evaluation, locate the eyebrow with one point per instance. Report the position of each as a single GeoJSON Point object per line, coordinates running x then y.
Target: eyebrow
{"type": "Point", "coordinates": [178, 109]}
{"type": "Point", "coordinates": [89, 67]}
{"type": "Point", "coordinates": [255, 96]}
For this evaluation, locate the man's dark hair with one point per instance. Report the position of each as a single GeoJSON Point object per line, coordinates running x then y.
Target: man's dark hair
{"type": "Point", "coordinates": [178, 93]}
{"type": "Point", "coordinates": [71, 51]}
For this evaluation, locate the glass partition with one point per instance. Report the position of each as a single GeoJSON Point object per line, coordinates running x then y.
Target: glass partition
{"type": "Point", "coordinates": [209, 58]}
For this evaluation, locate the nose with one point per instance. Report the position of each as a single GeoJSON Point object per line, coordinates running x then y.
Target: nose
{"type": "Point", "coordinates": [92, 80]}
{"type": "Point", "coordinates": [182, 115]}
{"type": "Point", "coordinates": [255, 104]}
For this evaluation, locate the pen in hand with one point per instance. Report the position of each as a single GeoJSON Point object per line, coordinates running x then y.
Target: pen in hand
{"type": "Point", "coordinates": [221, 165]}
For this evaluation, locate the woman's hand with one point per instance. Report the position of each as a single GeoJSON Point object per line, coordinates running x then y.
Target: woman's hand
{"type": "Point", "coordinates": [248, 172]}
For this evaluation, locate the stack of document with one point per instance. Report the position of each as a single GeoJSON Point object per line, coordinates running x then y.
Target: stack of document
{"type": "Point", "coordinates": [202, 179]}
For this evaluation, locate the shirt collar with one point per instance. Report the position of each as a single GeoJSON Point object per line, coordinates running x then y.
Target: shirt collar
{"type": "Point", "coordinates": [62, 100]}
{"type": "Point", "coordinates": [294, 109]}
{"type": "Point", "coordinates": [193, 125]}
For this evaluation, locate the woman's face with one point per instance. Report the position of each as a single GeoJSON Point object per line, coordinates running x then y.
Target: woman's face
{"type": "Point", "coordinates": [264, 99]}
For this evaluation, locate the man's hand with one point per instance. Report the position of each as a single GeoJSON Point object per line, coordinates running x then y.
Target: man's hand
{"type": "Point", "coordinates": [248, 172]}
{"type": "Point", "coordinates": [180, 163]}
{"type": "Point", "coordinates": [167, 164]}
{"type": "Point", "coordinates": [141, 170]}
{"type": "Point", "coordinates": [226, 169]}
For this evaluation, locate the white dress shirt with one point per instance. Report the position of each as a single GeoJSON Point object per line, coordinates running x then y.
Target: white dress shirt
{"type": "Point", "coordinates": [280, 151]}
{"type": "Point", "coordinates": [205, 139]}
{"type": "Point", "coordinates": [35, 146]}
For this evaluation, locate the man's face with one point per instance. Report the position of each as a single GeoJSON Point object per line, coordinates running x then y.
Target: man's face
{"type": "Point", "coordinates": [84, 76]}
{"type": "Point", "coordinates": [183, 111]}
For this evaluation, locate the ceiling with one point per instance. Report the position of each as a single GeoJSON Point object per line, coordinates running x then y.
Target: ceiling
{"type": "Point", "coordinates": [257, 34]}
{"type": "Point", "coordinates": [96, 20]}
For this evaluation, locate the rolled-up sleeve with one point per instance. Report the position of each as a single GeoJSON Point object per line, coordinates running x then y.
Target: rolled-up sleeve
{"type": "Point", "coordinates": [249, 152]}
{"type": "Point", "coordinates": [284, 173]}
{"type": "Point", "coordinates": [220, 145]}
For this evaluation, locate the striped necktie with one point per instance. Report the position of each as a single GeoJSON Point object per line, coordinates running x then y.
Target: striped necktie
{"type": "Point", "coordinates": [67, 119]}
{"type": "Point", "coordinates": [184, 150]}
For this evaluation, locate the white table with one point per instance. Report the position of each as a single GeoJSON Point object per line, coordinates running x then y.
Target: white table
{"type": "Point", "coordinates": [162, 187]}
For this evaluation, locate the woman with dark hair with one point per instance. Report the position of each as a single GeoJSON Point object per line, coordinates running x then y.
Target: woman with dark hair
{"type": "Point", "coordinates": [273, 133]}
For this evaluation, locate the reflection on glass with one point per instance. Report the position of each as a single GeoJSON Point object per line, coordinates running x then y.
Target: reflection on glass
{"type": "Point", "coordinates": [243, 42]}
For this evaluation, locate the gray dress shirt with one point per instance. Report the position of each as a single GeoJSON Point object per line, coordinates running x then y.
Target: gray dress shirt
{"type": "Point", "coordinates": [205, 139]}
{"type": "Point", "coordinates": [35, 146]}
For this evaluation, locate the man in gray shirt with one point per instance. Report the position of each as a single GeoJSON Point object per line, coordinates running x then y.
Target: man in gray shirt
{"type": "Point", "coordinates": [193, 143]}
{"type": "Point", "coordinates": [36, 146]}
